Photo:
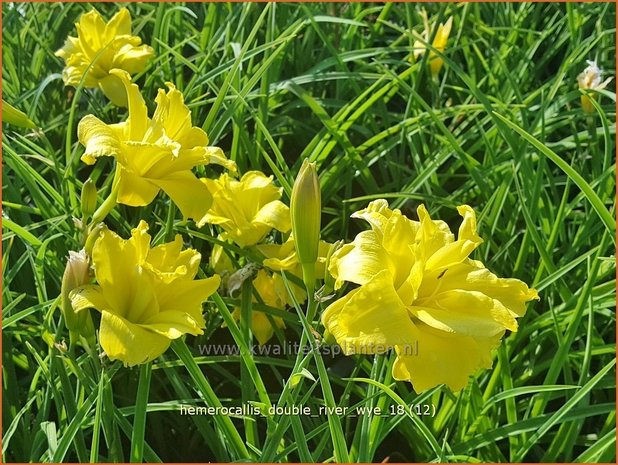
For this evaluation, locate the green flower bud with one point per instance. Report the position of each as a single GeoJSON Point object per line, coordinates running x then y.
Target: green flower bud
{"type": "Point", "coordinates": [89, 198]}
{"type": "Point", "coordinates": [76, 274]}
{"type": "Point", "coordinates": [306, 212]}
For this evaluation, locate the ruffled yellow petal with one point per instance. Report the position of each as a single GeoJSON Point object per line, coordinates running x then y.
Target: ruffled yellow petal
{"type": "Point", "coordinates": [172, 113]}
{"type": "Point", "coordinates": [128, 342]}
{"type": "Point", "coordinates": [170, 262]}
{"type": "Point", "coordinates": [98, 138]}
{"type": "Point", "coordinates": [360, 261]}
{"type": "Point", "coordinates": [370, 319]}
{"type": "Point", "coordinates": [443, 358]}
{"type": "Point", "coordinates": [376, 214]}
{"type": "Point", "coordinates": [470, 313]}
{"type": "Point", "coordinates": [472, 276]}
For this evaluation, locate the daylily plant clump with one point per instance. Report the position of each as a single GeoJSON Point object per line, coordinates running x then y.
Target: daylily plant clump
{"type": "Point", "coordinates": [409, 282]}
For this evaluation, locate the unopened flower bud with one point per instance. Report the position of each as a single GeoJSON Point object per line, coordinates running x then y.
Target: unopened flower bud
{"type": "Point", "coordinates": [76, 274]}
{"type": "Point", "coordinates": [89, 198]}
{"type": "Point", "coordinates": [306, 212]}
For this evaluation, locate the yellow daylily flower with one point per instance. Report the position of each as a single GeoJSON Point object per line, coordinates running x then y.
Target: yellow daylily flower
{"type": "Point", "coordinates": [266, 286]}
{"type": "Point", "coordinates": [103, 47]}
{"type": "Point", "coordinates": [154, 154]}
{"type": "Point", "coordinates": [439, 43]}
{"type": "Point", "coordinates": [246, 209]}
{"type": "Point", "coordinates": [590, 78]}
{"type": "Point", "coordinates": [146, 296]}
{"type": "Point", "coordinates": [421, 294]}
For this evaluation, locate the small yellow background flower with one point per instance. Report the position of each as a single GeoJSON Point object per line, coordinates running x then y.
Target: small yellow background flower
{"type": "Point", "coordinates": [154, 154]}
{"type": "Point", "coordinates": [439, 43]}
{"type": "Point", "coordinates": [419, 289]}
{"type": "Point", "coordinates": [246, 209]}
{"type": "Point", "coordinates": [105, 47]}
{"type": "Point", "coordinates": [266, 286]}
{"type": "Point", "coordinates": [146, 296]}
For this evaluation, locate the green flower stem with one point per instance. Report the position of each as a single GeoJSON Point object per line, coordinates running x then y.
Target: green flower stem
{"type": "Point", "coordinates": [334, 422]}
{"type": "Point", "coordinates": [107, 206]}
{"type": "Point", "coordinates": [251, 433]}
{"type": "Point", "coordinates": [309, 279]}
{"type": "Point", "coordinates": [141, 408]}
{"type": "Point", "coordinates": [593, 146]}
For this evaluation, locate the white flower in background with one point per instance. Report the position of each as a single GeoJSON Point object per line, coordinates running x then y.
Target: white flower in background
{"type": "Point", "coordinates": [590, 78]}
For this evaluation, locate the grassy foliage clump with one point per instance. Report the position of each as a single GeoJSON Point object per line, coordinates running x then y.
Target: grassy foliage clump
{"type": "Point", "coordinates": [501, 130]}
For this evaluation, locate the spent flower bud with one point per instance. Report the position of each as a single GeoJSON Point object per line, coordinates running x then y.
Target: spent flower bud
{"type": "Point", "coordinates": [76, 274]}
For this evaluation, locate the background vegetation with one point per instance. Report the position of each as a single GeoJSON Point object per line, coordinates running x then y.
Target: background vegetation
{"type": "Point", "coordinates": [501, 130]}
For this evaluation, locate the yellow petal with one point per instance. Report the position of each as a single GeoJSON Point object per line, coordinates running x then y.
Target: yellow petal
{"type": "Point", "coordinates": [360, 261]}
{"type": "Point", "coordinates": [114, 90]}
{"type": "Point", "coordinates": [131, 58]}
{"type": "Point", "coordinates": [172, 113]}
{"type": "Point", "coordinates": [194, 137]}
{"type": "Point", "coordinates": [98, 138]}
{"type": "Point", "coordinates": [171, 262]}
{"type": "Point", "coordinates": [443, 358]}
{"type": "Point", "coordinates": [89, 296]}
{"type": "Point", "coordinates": [376, 214]}
{"type": "Point", "coordinates": [275, 215]}
{"type": "Point", "coordinates": [432, 235]}
{"type": "Point", "coordinates": [137, 122]}
{"type": "Point", "coordinates": [473, 276]}
{"type": "Point", "coordinates": [117, 265]}
{"type": "Point", "coordinates": [134, 190]}
{"type": "Point", "coordinates": [262, 328]}
{"type": "Point", "coordinates": [188, 159]}
{"type": "Point", "coordinates": [188, 193]}
{"type": "Point", "coordinates": [128, 342]}
{"type": "Point", "coordinates": [187, 295]}
{"type": "Point", "coordinates": [370, 319]}
{"type": "Point", "coordinates": [120, 24]}
{"type": "Point", "coordinates": [470, 313]}
{"type": "Point", "coordinates": [173, 324]}
{"type": "Point", "coordinates": [91, 31]}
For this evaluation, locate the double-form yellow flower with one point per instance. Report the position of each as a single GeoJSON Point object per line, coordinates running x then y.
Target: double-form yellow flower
{"type": "Point", "coordinates": [421, 294]}
{"type": "Point", "coordinates": [154, 154]}
{"type": "Point", "coordinates": [246, 209]}
{"type": "Point", "coordinates": [99, 48]}
{"type": "Point", "coordinates": [146, 296]}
